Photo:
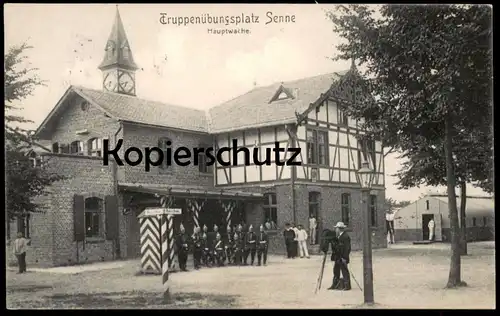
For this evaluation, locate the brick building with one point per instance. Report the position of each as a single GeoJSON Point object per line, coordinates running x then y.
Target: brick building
{"type": "Point", "coordinates": [92, 215]}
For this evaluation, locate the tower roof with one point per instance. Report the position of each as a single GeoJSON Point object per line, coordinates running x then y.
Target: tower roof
{"type": "Point", "coordinates": [118, 52]}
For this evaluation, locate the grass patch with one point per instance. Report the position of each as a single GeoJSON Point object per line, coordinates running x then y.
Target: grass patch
{"type": "Point", "coordinates": [130, 300]}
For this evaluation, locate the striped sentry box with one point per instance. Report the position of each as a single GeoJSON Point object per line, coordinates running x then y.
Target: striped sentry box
{"type": "Point", "coordinates": [150, 245]}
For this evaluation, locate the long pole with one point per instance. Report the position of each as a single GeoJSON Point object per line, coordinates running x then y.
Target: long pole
{"type": "Point", "coordinates": [367, 251]}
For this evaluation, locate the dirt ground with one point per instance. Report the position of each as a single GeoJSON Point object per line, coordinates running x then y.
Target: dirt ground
{"type": "Point", "coordinates": [405, 276]}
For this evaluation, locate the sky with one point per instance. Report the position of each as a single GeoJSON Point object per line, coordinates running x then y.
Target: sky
{"type": "Point", "coordinates": [180, 64]}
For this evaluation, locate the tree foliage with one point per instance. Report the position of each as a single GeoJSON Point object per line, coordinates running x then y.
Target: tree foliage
{"type": "Point", "coordinates": [24, 180]}
{"type": "Point", "coordinates": [427, 90]}
{"type": "Point", "coordinates": [392, 204]}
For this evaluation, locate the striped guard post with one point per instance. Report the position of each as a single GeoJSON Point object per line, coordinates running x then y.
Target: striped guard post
{"type": "Point", "coordinates": [169, 233]}
{"type": "Point", "coordinates": [171, 242]}
{"type": "Point", "coordinates": [195, 207]}
{"type": "Point", "coordinates": [228, 209]}
{"type": "Point", "coordinates": [150, 245]}
{"type": "Point", "coordinates": [164, 258]}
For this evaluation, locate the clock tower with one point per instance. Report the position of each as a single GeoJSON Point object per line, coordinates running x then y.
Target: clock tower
{"type": "Point", "coordinates": [118, 66]}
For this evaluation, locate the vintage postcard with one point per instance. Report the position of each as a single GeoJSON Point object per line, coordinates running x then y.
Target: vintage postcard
{"type": "Point", "coordinates": [249, 156]}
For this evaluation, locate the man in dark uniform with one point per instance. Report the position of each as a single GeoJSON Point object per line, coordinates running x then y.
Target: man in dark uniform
{"type": "Point", "coordinates": [205, 244]}
{"type": "Point", "coordinates": [242, 243]}
{"type": "Point", "coordinates": [289, 235]}
{"type": "Point", "coordinates": [229, 245]}
{"type": "Point", "coordinates": [182, 243]}
{"type": "Point", "coordinates": [219, 253]}
{"type": "Point", "coordinates": [197, 248]}
{"type": "Point", "coordinates": [263, 241]}
{"type": "Point", "coordinates": [251, 246]}
{"type": "Point", "coordinates": [341, 258]}
{"type": "Point", "coordinates": [236, 249]}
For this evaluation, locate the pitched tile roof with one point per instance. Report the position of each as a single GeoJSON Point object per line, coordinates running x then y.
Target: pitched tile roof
{"type": "Point", "coordinates": [133, 109]}
{"type": "Point", "coordinates": [254, 110]}
{"type": "Point", "coordinates": [250, 110]}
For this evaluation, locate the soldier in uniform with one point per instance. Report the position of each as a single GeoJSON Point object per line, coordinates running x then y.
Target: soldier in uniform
{"type": "Point", "coordinates": [250, 243]}
{"type": "Point", "coordinates": [205, 244]}
{"type": "Point", "coordinates": [229, 245]}
{"type": "Point", "coordinates": [182, 243]}
{"type": "Point", "coordinates": [262, 245]}
{"type": "Point", "coordinates": [239, 246]}
{"type": "Point", "coordinates": [197, 248]}
{"type": "Point", "coordinates": [219, 250]}
{"type": "Point", "coordinates": [213, 235]}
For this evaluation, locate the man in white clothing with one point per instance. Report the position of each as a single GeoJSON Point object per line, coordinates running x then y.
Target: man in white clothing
{"type": "Point", "coordinates": [295, 240]}
{"type": "Point", "coordinates": [312, 229]}
{"type": "Point", "coordinates": [389, 221]}
{"type": "Point", "coordinates": [302, 240]}
{"type": "Point", "coordinates": [431, 229]}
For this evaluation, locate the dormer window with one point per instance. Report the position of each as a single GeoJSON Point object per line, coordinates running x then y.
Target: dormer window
{"type": "Point", "coordinates": [282, 94]}
{"type": "Point", "coordinates": [110, 50]}
{"type": "Point", "coordinates": [126, 52]}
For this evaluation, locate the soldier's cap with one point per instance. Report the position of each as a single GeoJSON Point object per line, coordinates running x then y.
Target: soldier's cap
{"type": "Point", "coordinates": [340, 225]}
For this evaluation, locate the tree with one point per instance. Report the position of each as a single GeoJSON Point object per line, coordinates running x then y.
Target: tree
{"type": "Point", "coordinates": [428, 71]}
{"type": "Point", "coordinates": [392, 204]}
{"type": "Point", "coordinates": [24, 180]}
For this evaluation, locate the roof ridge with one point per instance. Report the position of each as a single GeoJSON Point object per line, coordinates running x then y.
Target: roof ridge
{"type": "Point", "coordinates": [278, 83]}
{"type": "Point", "coordinates": [138, 98]}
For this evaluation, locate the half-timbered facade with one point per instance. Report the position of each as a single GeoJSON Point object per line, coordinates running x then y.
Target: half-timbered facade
{"type": "Point", "coordinates": [92, 215]}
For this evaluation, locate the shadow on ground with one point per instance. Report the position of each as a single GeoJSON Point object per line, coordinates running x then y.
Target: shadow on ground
{"type": "Point", "coordinates": [136, 299]}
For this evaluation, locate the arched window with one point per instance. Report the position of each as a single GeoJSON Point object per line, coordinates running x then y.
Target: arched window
{"type": "Point", "coordinates": [76, 148]}
{"type": "Point", "coordinates": [95, 147]}
{"type": "Point", "coordinates": [164, 144]}
{"type": "Point", "coordinates": [94, 217]}
{"type": "Point", "coordinates": [314, 204]}
{"type": "Point", "coordinates": [110, 50]}
{"type": "Point", "coordinates": [126, 52]}
{"type": "Point", "coordinates": [345, 207]}
{"type": "Point", "coordinates": [270, 211]}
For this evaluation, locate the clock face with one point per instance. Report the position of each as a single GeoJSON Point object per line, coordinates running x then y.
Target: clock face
{"type": "Point", "coordinates": [126, 82]}
{"type": "Point", "coordinates": [110, 82]}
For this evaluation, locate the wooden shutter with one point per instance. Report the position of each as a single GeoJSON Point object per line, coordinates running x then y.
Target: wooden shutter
{"type": "Point", "coordinates": [111, 217]}
{"type": "Point", "coordinates": [79, 217]}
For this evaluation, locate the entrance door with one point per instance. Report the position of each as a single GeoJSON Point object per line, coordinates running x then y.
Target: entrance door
{"type": "Point", "coordinates": [134, 238]}
{"type": "Point", "coordinates": [425, 225]}
{"type": "Point", "coordinates": [438, 232]}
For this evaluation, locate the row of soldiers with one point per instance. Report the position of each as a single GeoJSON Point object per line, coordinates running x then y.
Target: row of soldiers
{"type": "Point", "coordinates": [212, 249]}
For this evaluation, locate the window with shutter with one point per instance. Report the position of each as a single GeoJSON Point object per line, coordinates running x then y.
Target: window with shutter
{"type": "Point", "coordinates": [79, 218]}
{"type": "Point", "coordinates": [111, 217]}
{"type": "Point", "coordinates": [93, 217]}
